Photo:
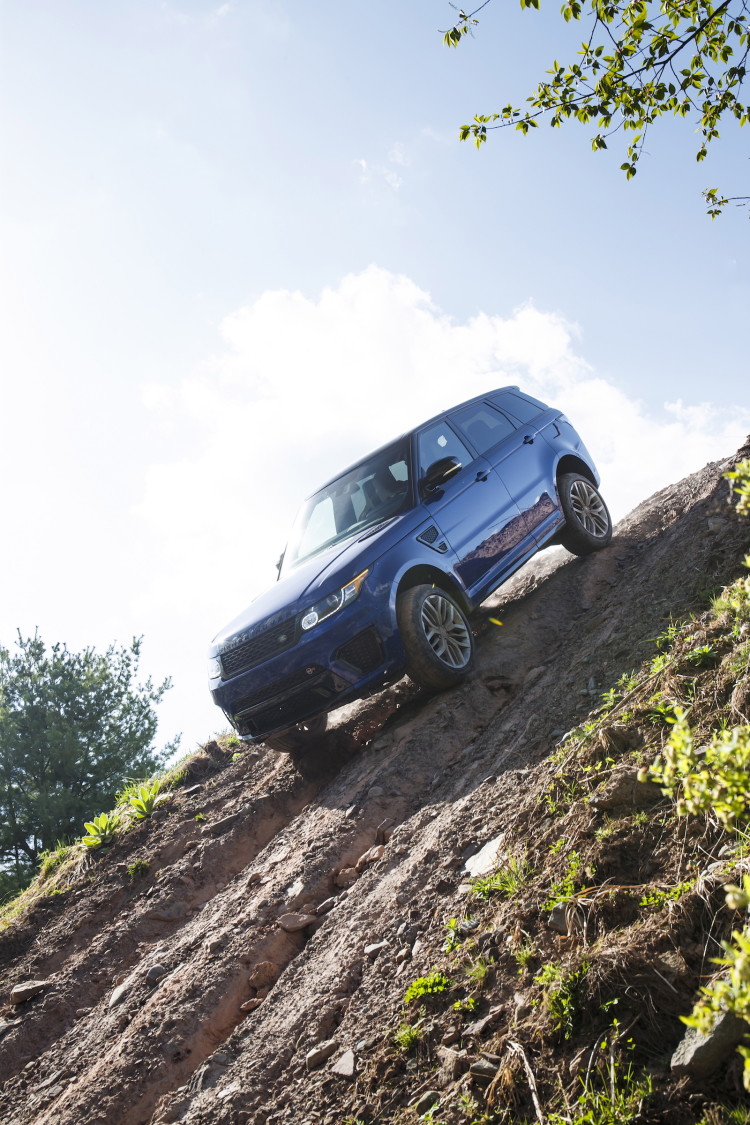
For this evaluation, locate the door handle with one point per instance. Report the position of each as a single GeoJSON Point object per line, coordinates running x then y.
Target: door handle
{"type": "Point", "coordinates": [528, 440]}
{"type": "Point", "coordinates": [482, 475]}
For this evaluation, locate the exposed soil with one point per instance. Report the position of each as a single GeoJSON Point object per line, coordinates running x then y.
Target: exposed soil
{"type": "Point", "coordinates": [368, 847]}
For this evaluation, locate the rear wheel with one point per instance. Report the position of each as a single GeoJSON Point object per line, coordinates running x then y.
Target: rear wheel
{"type": "Point", "coordinates": [298, 739]}
{"type": "Point", "coordinates": [437, 637]}
{"type": "Point", "coordinates": [588, 526]}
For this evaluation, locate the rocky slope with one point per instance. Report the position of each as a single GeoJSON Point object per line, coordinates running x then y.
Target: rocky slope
{"type": "Point", "coordinates": [243, 956]}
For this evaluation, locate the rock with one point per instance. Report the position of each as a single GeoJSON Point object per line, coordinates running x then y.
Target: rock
{"type": "Point", "coordinates": [701, 1055]}
{"type": "Point", "coordinates": [121, 991]}
{"type": "Point", "coordinates": [475, 1029]}
{"type": "Point", "coordinates": [344, 1066]}
{"type": "Point", "coordinates": [294, 922]}
{"type": "Point", "coordinates": [28, 988]}
{"type": "Point", "coordinates": [167, 912]}
{"type": "Point", "coordinates": [265, 974]}
{"type": "Point", "coordinates": [483, 1069]}
{"type": "Point", "coordinates": [219, 827]}
{"type": "Point", "coordinates": [320, 1053]}
{"type": "Point", "coordinates": [326, 905]}
{"type": "Point", "coordinates": [346, 877]}
{"type": "Point", "coordinates": [155, 973]}
{"type": "Point", "coordinates": [428, 1099]}
{"type": "Point", "coordinates": [251, 1005]}
{"type": "Point", "coordinates": [7, 1025]}
{"type": "Point", "coordinates": [376, 791]}
{"type": "Point", "coordinates": [227, 1091]}
{"type": "Point", "coordinates": [372, 855]}
{"type": "Point", "coordinates": [375, 948]}
{"type": "Point", "coordinates": [214, 945]}
{"type": "Point", "coordinates": [385, 830]}
{"type": "Point", "coordinates": [452, 1063]}
{"type": "Point", "coordinates": [486, 859]}
{"type": "Point", "coordinates": [558, 918]}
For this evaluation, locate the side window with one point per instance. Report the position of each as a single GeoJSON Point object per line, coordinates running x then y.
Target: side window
{"type": "Point", "coordinates": [440, 441]}
{"type": "Point", "coordinates": [483, 425]}
{"type": "Point", "coordinates": [525, 409]}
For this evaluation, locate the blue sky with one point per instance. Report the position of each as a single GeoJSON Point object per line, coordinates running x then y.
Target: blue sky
{"type": "Point", "coordinates": [241, 245]}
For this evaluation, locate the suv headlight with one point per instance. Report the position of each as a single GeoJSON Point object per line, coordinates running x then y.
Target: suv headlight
{"type": "Point", "coordinates": [333, 603]}
{"type": "Point", "coordinates": [214, 668]}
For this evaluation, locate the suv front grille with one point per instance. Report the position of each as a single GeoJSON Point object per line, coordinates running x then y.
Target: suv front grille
{"type": "Point", "coordinates": [260, 648]}
{"type": "Point", "coordinates": [290, 701]}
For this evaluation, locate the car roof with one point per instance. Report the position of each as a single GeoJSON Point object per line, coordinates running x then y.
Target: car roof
{"type": "Point", "coordinates": [408, 433]}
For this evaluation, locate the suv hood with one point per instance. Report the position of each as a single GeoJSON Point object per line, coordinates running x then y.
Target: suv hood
{"type": "Point", "coordinates": [315, 579]}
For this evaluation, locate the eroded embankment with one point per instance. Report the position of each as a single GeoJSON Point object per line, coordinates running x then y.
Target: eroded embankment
{"type": "Point", "coordinates": [296, 910]}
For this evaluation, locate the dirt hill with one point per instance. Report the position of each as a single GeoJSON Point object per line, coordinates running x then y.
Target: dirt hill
{"type": "Point", "coordinates": [243, 956]}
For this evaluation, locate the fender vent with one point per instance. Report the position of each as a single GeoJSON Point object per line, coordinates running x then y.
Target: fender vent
{"type": "Point", "coordinates": [429, 538]}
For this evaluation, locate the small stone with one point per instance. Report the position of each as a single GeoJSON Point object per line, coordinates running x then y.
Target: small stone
{"type": "Point", "coordinates": [376, 791]}
{"type": "Point", "coordinates": [558, 918]}
{"type": "Point", "coordinates": [428, 1099]}
{"type": "Point", "coordinates": [480, 1025]}
{"type": "Point", "coordinates": [121, 991]}
{"type": "Point", "coordinates": [155, 973]}
{"type": "Point", "coordinates": [452, 1063]}
{"type": "Point", "coordinates": [265, 974]}
{"type": "Point", "coordinates": [320, 1053]}
{"type": "Point", "coordinates": [189, 845]}
{"type": "Point", "coordinates": [167, 912]}
{"type": "Point", "coordinates": [326, 905]}
{"type": "Point", "coordinates": [701, 1055]}
{"type": "Point", "coordinates": [375, 948]}
{"type": "Point", "coordinates": [483, 1068]}
{"type": "Point", "coordinates": [219, 827]}
{"type": "Point", "coordinates": [28, 988]}
{"type": "Point", "coordinates": [294, 922]}
{"type": "Point", "coordinates": [372, 855]}
{"type": "Point", "coordinates": [227, 1091]}
{"type": "Point", "coordinates": [346, 877]}
{"type": "Point", "coordinates": [214, 945]}
{"type": "Point", "coordinates": [251, 1005]}
{"type": "Point", "coordinates": [344, 1066]}
{"type": "Point", "coordinates": [385, 830]}
{"type": "Point", "coordinates": [221, 1058]}
{"type": "Point", "coordinates": [486, 859]}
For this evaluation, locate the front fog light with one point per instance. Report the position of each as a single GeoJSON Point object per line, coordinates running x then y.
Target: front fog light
{"type": "Point", "coordinates": [333, 603]}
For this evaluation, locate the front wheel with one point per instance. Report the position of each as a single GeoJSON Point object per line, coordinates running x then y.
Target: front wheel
{"type": "Point", "coordinates": [588, 526]}
{"type": "Point", "coordinates": [436, 635]}
{"type": "Point", "coordinates": [298, 739]}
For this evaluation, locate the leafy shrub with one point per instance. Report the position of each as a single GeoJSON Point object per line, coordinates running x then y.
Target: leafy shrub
{"type": "Point", "coordinates": [741, 475]}
{"type": "Point", "coordinates": [731, 993]}
{"type": "Point", "coordinates": [705, 778]}
{"type": "Point", "coordinates": [506, 881]}
{"type": "Point", "coordinates": [431, 985]}
{"type": "Point", "coordinates": [101, 830]}
{"type": "Point", "coordinates": [146, 798]}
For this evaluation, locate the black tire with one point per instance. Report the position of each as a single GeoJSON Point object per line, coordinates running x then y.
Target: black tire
{"type": "Point", "coordinates": [588, 526]}
{"type": "Point", "coordinates": [437, 637]}
{"type": "Point", "coordinates": [298, 740]}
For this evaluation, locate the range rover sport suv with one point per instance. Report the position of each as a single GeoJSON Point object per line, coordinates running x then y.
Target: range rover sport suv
{"type": "Point", "coordinates": [386, 562]}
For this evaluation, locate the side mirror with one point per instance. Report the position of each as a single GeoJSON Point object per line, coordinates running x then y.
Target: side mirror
{"type": "Point", "coordinates": [439, 472]}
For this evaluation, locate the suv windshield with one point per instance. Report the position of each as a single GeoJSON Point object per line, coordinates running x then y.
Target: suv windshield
{"type": "Point", "coordinates": [373, 491]}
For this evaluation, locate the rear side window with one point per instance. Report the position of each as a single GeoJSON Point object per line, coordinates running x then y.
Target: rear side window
{"type": "Point", "coordinates": [523, 408]}
{"type": "Point", "coordinates": [483, 425]}
{"type": "Point", "coordinates": [440, 441]}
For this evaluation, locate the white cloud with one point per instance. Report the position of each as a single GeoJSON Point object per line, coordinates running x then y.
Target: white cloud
{"type": "Point", "coordinates": [302, 386]}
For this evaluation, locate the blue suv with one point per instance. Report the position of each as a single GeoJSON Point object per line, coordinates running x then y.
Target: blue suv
{"type": "Point", "coordinates": [386, 562]}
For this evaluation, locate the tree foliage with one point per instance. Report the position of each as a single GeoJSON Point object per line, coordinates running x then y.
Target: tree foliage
{"type": "Point", "coordinates": [640, 61]}
{"type": "Point", "coordinates": [72, 725]}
